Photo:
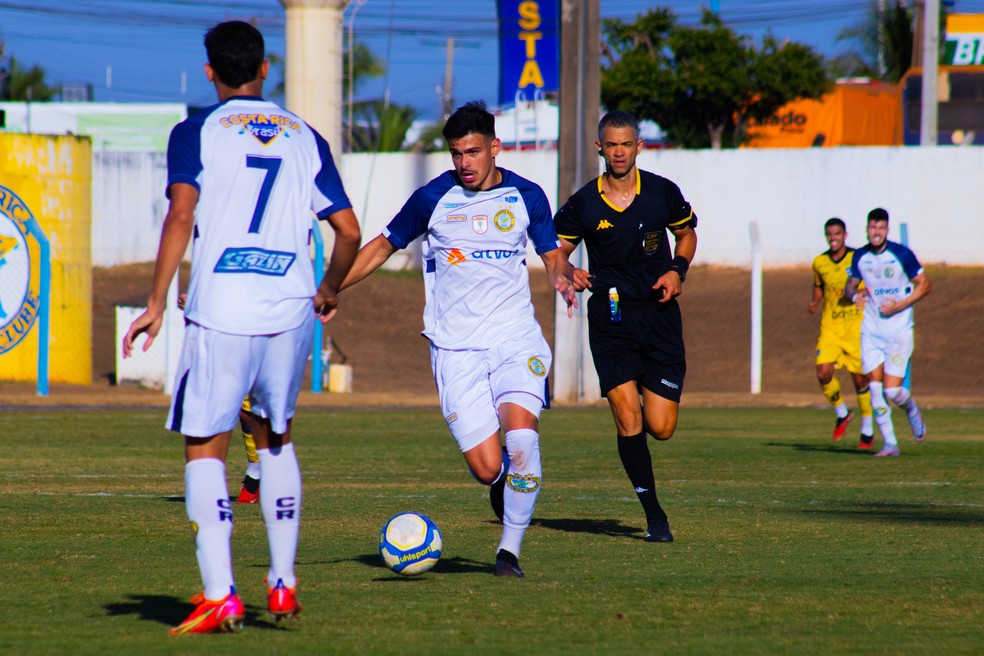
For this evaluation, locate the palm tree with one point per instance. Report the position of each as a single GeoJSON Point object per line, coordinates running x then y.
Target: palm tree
{"type": "Point", "coordinates": [883, 44]}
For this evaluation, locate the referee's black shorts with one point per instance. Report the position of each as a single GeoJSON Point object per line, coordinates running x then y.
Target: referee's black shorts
{"type": "Point", "coordinates": [645, 346]}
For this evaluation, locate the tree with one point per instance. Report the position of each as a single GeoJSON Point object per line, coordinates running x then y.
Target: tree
{"type": "Point", "coordinates": [17, 83]}
{"type": "Point", "coordinates": [883, 44]}
{"type": "Point", "coordinates": [381, 127]}
{"type": "Point", "coordinates": [703, 85]}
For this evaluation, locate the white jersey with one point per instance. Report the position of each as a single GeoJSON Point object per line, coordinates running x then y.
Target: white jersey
{"type": "Point", "coordinates": [887, 276]}
{"type": "Point", "coordinates": [474, 250]}
{"type": "Point", "coordinates": [260, 172]}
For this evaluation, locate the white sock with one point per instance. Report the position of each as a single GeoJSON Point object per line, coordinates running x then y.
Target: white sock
{"type": "Point", "coordinates": [209, 510]}
{"type": "Point", "coordinates": [841, 410]}
{"type": "Point", "coordinates": [901, 397]}
{"type": "Point", "coordinates": [522, 487]}
{"type": "Point", "coordinates": [883, 414]}
{"type": "Point", "coordinates": [280, 502]}
{"type": "Point", "coordinates": [253, 470]}
{"type": "Point", "coordinates": [866, 425]}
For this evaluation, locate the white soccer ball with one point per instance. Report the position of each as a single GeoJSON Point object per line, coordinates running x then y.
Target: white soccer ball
{"type": "Point", "coordinates": [410, 543]}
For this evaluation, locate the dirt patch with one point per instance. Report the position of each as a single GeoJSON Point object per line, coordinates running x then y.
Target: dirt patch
{"type": "Point", "coordinates": [379, 322]}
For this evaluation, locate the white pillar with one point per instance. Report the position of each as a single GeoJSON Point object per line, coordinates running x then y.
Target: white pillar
{"type": "Point", "coordinates": [313, 77]}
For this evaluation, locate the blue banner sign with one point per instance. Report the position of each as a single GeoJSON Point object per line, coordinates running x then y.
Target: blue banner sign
{"type": "Point", "coordinates": [529, 49]}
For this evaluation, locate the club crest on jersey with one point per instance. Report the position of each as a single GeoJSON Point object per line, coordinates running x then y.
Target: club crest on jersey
{"type": "Point", "coordinates": [536, 366]}
{"type": "Point", "coordinates": [456, 257]}
{"type": "Point", "coordinates": [504, 220]}
{"type": "Point", "coordinates": [480, 224]}
{"type": "Point", "coordinates": [888, 273]}
{"type": "Point", "coordinates": [254, 260]}
{"type": "Point", "coordinates": [650, 243]}
{"type": "Point", "coordinates": [20, 270]}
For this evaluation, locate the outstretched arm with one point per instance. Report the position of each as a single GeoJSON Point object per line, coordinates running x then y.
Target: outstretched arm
{"type": "Point", "coordinates": [686, 247]}
{"type": "Point", "coordinates": [561, 274]}
{"type": "Point", "coordinates": [348, 236]}
{"type": "Point", "coordinates": [178, 226]}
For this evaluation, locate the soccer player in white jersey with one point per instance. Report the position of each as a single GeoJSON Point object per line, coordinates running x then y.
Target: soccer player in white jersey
{"type": "Point", "coordinates": [894, 282]}
{"type": "Point", "coordinates": [245, 179]}
{"type": "Point", "coordinates": [488, 354]}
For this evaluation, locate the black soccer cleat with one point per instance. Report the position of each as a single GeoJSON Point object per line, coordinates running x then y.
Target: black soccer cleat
{"type": "Point", "coordinates": [658, 530]}
{"type": "Point", "coordinates": [507, 564]}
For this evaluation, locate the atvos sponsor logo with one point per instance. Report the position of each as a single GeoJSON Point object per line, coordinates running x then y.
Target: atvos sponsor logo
{"type": "Point", "coordinates": [883, 292]}
{"type": "Point", "coordinates": [493, 255]}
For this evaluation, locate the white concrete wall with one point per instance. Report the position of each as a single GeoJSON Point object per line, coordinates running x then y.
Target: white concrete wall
{"type": "Point", "coordinates": [790, 193]}
{"type": "Point", "coordinates": [128, 206]}
{"type": "Point", "coordinates": [937, 192]}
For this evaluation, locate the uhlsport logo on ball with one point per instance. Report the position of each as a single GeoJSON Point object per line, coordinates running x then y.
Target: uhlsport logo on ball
{"type": "Point", "coordinates": [410, 543]}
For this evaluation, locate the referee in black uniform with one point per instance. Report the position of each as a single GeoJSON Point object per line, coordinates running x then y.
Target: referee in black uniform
{"type": "Point", "coordinates": [634, 325]}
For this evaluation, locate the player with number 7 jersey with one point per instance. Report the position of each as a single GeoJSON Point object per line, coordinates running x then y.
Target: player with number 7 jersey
{"type": "Point", "coordinates": [245, 178]}
{"type": "Point", "coordinates": [260, 171]}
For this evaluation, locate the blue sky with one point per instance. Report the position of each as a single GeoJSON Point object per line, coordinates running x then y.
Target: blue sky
{"type": "Point", "coordinates": [151, 50]}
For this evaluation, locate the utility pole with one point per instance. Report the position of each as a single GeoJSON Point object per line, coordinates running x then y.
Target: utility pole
{"type": "Point", "coordinates": [930, 71]}
{"type": "Point", "coordinates": [448, 78]}
{"type": "Point", "coordinates": [580, 101]}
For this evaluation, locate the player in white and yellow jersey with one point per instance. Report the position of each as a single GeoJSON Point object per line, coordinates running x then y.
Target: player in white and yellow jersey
{"type": "Point", "coordinates": [839, 344]}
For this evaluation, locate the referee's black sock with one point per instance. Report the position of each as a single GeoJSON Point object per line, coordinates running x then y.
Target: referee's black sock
{"type": "Point", "coordinates": [638, 464]}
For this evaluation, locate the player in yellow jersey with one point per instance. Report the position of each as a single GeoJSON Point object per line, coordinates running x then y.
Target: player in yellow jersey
{"type": "Point", "coordinates": [839, 344]}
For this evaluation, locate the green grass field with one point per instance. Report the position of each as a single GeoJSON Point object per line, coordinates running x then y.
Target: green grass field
{"type": "Point", "coordinates": [785, 542]}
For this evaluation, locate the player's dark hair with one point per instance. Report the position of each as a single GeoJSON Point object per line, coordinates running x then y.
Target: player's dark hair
{"type": "Point", "coordinates": [618, 118]}
{"type": "Point", "coordinates": [472, 117]}
{"type": "Point", "coordinates": [877, 214]}
{"type": "Point", "coordinates": [834, 221]}
{"type": "Point", "coordinates": [235, 52]}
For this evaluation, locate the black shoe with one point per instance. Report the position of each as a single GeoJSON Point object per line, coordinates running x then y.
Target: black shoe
{"type": "Point", "coordinates": [496, 492]}
{"type": "Point", "coordinates": [507, 564]}
{"type": "Point", "coordinates": [865, 441]}
{"type": "Point", "coordinates": [658, 530]}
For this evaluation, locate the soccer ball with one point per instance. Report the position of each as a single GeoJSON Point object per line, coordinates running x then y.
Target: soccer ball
{"type": "Point", "coordinates": [410, 543]}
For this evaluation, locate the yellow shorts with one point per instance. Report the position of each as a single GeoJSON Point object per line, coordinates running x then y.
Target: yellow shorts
{"type": "Point", "coordinates": [842, 350]}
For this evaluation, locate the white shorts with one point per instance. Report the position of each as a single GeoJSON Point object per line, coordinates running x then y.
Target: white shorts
{"type": "Point", "coordinates": [472, 385]}
{"type": "Point", "coordinates": [217, 370]}
{"type": "Point", "coordinates": [891, 351]}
